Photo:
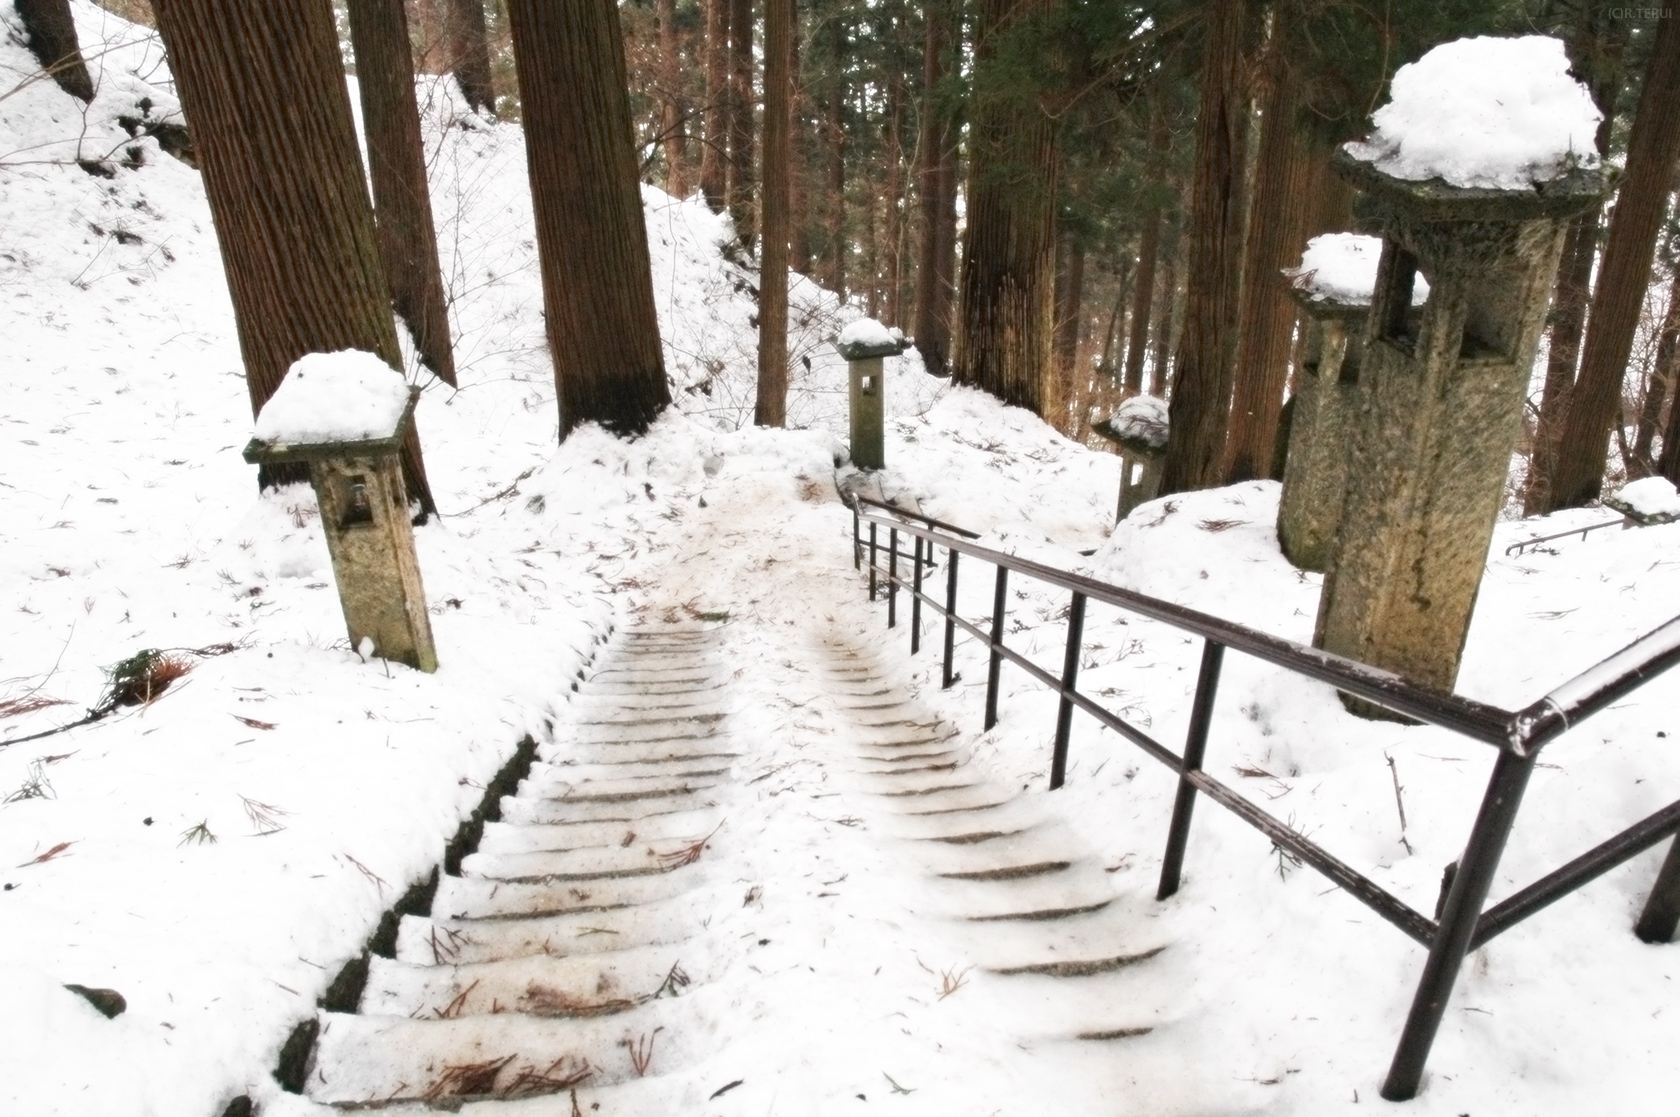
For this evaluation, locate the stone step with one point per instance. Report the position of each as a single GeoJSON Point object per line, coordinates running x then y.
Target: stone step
{"type": "Point", "coordinates": [715, 697]}
{"type": "Point", "coordinates": [654, 660]}
{"type": "Point", "coordinates": [542, 812]}
{"type": "Point", "coordinates": [660, 785]}
{"type": "Point", "coordinates": [451, 942]}
{"type": "Point", "coordinates": [599, 767]}
{"type": "Point", "coordinates": [1053, 895]}
{"type": "Point", "coordinates": [961, 800]}
{"type": "Point", "coordinates": [537, 985]}
{"type": "Point", "coordinates": [1000, 856]}
{"type": "Point", "coordinates": [483, 898]}
{"type": "Point", "coordinates": [609, 687]}
{"type": "Point", "coordinates": [912, 783]}
{"type": "Point", "coordinates": [639, 860]}
{"type": "Point", "coordinates": [645, 732]}
{"type": "Point", "coordinates": [607, 714]}
{"type": "Point", "coordinates": [502, 837]}
{"type": "Point", "coordinates": [380, 1060]}
{"type": "Point", "coordinates": [1009, 817]}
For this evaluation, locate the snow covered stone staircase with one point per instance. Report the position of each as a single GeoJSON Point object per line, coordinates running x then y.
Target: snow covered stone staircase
{"type": "Point", "coordinates": [1017, 891]}
{"type": "Point", "coordinates": [556, 961]}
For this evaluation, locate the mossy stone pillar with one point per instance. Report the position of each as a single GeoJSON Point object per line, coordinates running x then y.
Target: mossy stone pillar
{"type": "Point", "coordinates": [868, 391]}
{"type": "Point", "coordinates": [1321, 429]}
{"type": "Point", "coordinates": [1440, 397]}
{"type": "Point", "coordinates": [364, 511]}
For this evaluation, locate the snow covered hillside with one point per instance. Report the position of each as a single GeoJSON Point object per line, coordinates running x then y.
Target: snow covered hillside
{"type": "Point", "coordinates": [218, 852]}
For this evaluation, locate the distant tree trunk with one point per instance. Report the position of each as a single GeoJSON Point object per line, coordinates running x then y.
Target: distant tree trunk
{"type": "Point", "coordinates": [52, 40]}
{"type": "Point", "coordinates": [397, 165]}
{"type": "Point", "coordinates": [468, 51]}
{"type": "Point", "coordinates": [771, 409]}
{"type": "Point", "coordinates": [932, 327]}
{"type": "Point", "coordinates": [714, 155]}
{"type": "Point", "coordinates": [262, 87]}
{"type": "Point", "coordinates": [799, 212]}
{"type": "Point", "coordinates": [1202, 381]}
{"type": "Point", "coordinates": [1634, 224]}
{"type": "Point", "coordinates": [671, 109]}
{"type": "Point", "coordinates": [1663, 378]}
{"type": "Point", "coordinates": [741, 189]}
{"type": "Point", "coordinates": [1070, 297]}
{"type": "Point", "coordinates": [871, 257]}
{"type": "Point", "coordinates": [1166, 308]}
{"type": "Point", "coordinates": [1266, 325]}
{"type": "Point", "coordinates": [1143, 295]}
{"type": "Point", "coordinates": [834, 139]}
{"type": "Point", "coordinates": [1107, 362]}
{"type": "Point", "coordinates": [603, 332]}
{"type": "Point", "coordinates": [1007, 310]}
{"type": "Point", "coordinates": [894, 235]}
{"type": "Point", "coordinates": [1596, 50]}
{"type": "Point", "coordinates": [1668, 362]}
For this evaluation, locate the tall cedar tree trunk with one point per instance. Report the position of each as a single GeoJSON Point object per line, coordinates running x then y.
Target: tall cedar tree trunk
{"type": "Point", "coordinates": [1597, 47]}
{"type": "Point", "coordinates": [671, 114]}
{"type": "Point", "coordinates": [52, 40]}
{"type": "Point", "coordinates": [714, 155]}
{"type": "Point", "coordinates": [932, 327]}
{"type": "Point", "coordinates": [603, 332]}
{"type": "Point", "coordinates": [834, 139]}
{"type": "Point", "coordinates": [799, 239]}
{"type": "Point", "coordinates": [871, 256]}
{"type": "Point", "coordinates": [741, 118]}
{"type": "Point", "coordinates": [1626, 271]}
{"type": "Point", "coordinates": [895, 200]}
{"type": "Point", "coordinates": [1166, 308]}
{"type": "Point", "coordinates": [1266, 326]}
{"type": "Point", "coordinates": [1201, 391]}
{"type": "Point", "coordinates": [1106, 362]}
{"type": "Point", "coordinates": [469, 53]}
{"type": "Point", "coordinates": [1143, 295]}
{"type": "Point", "coordinates": [1070, 298]}
{"type": "Point", "coordinates": [262, 87]}
{"type": "Point", "coordinates": [402, 203]}
{"type": "Point", "coordinates": [1662, 382]}
{"type": "Point", "coordinates": [1006, 315]}
{"type": "Point", "coordinates": [1668, 364]}
{"type": "Point", "coordinates": [771, 408]}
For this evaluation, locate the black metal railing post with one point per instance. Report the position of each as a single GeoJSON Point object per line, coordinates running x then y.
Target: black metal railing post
{"type": "Point", "coordinates": [872, 553]}
{"type": "Point", "coordinates": [950, 679]}
{"type": "Point", "coordinates": [1458, 922]}
{"type": "Point", "coordinates": [1000, 596]}
{"type": "Point", "coordinates": [1662, 910]}
{"type": "Point", "coordinates": [857, 540]}
{"type": "Point", "coordinates": [1070, 680]}
{"type": "Point", "coordinates": [1195, 745]}
{"type": "Point", "coordinates": [892, 577]}
{"type": "Point", "coordinates": [916, 602]}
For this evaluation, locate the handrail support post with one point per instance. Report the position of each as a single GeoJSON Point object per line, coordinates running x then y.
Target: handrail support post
{"type": "Point", "coordinates": [1000, 601]}
{"type": "Point", "coordinates": [1662, 910]}
{"type": "Point", "coordinates": [916, 602]}
{"type": "Point", "coordinates": [892, 578]}
{"type": "Point", "coordinates": [950, 679]}
{"type": "Point", "coordinates": [1195, 745]}
{"type": "Point", "coordinates": [1070, 680]}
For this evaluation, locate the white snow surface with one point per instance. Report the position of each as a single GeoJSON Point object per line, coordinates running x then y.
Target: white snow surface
{"type": "Point", "coordinates": [867, 331]}
{"type": "Point", "coordinates": [1485, 112]}
{"type": "Point", "coordinates": [1342, 267]}
{"type": "Point", "coordinates": [334, 397]}
{"type": "Point", "coordinates": [330, 783]}
{"type": "Point", "coordinates": [1651, 496]}
{"type": "Point", "coordinates": [1142, 417]}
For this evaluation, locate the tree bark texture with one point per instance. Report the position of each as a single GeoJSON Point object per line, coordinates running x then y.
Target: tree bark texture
{"type": "Point", "coordinates": [837, 247]}
{"type": "Point", "coordinates": [1266, 322]}
{"type": "Point", "coordinates": [892, 272]}
{"type": "Point", "coordinates": [741, 189]}
{"type": "Point", "coordinates": [1663, 378]}
{"type": "Point", "coordinates": [934, 262]}
{"type": "Point", "coordinates": [1563, 353]}
{"type": "Point", "coordinates": [603, 332]}
{"type": "Point", "coordinates": [469, 53]}
{"type": "Point", "coordinates": [799, 241]}
{"type": "Point", "coordinates": [1006, 315]}
{"type": "Point", "coordinates": [262, 87]}
{"type": "Point", "coordinates": [1143, 295]}
{"type": "Point", "coordinates": [1201, 393]}
{"type": "Point", "coordinates": [671, 111]}
{"type": "Point", "coordinates": [771, 408]}
{"type": "Point", "coordinates": [52, 40]}
{"type": "Point", "coordinates": [714, 156]}
{"type": "Point", "coordinates": [1166, 309]}
{"type": "Point", "coordinates": [1070, 298]}
{"type": "Point", "coordinates": [1625, 273]}
{"type": "Point", "coordinates": [402, 202]}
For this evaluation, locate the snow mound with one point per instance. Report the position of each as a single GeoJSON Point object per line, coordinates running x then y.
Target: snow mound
{"type": "Point", "coordinates": [335, 397]}
{"type": "Point", "coordinates": [1484, 113]}
{"type": "Point", "coordinates": [1143, 418]}
{"type": "Point", "coordinates": [1651, 497]}
{"type": "Point", "coordinates": [1342, 268]}
{"type": "Point", "coordinates": [866, 332]}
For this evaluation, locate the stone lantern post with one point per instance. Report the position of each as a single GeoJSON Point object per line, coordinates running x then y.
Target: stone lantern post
{"type": "Point", "coordinates": [863, 344]}
{"type": "Point", "coordinates": [1138, 428]}
{"type": "Point", "coordinates": [352, 453]}
{"type": "Point", "coordinates": [1439, 398]}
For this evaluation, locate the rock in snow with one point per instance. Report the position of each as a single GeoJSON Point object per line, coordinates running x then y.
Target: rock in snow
{"type": "Point", "coordinates": [1342, 268]}
{"type": "Point", "coordinates": [334, 397]}
{"type": "Point", "coordinates": [1484, 113]}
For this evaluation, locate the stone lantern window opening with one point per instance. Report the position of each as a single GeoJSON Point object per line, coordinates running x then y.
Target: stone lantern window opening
{"type": "Point", "coordinates": [353, 498]}
{"type": "Point", "coordinates": [1493, 316]}
{"type": "Point", "coordinates": [1401, 321]}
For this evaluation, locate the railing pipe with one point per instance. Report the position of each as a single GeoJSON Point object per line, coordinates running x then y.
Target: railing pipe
{"type": "Point", "coordinates": [1000, 595]}
{"type": "Point", "coordinates": [916, 602]}
{"type": "Point", "coordinates": [1195, 745]}
{"type": "Point", "coordinates": [872, 565]}
{"type": "Point", "coordinates": [1662, 910]}
{"type": "Point", "coordinates": [949, 679]}
{"type": "Point", "coordinates": [1070, 681]}
{"type": "Point", "coordinates": [892, 578]}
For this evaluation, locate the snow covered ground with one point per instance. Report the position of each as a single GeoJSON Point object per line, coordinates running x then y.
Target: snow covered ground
{"type": "Point", "coordinates": [216, 854]}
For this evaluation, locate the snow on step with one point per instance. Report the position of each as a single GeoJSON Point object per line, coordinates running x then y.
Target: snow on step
{"type": "Point", "coordinates": [538, 985]}
{"type": "Point", "coordinates": [658, 785]}
{"type": "Point", "coordinates": [1001, 856]}
{"type": "Point", "coordinates": [450, 942]}
{"type": "Point", "coordinates": [555, 811]}
{"type": "Point", "coordinates": [644, 732]}
{"type": "Point", "coordinates": [1050, 895]}
{"type": "Point", "coordinates": [642, 715]}
{"type": "Point", "coordinates": [591, 769]}
{"type": "Point", "coordinates": [1009, 817]}
{"type": "Point", "coordinates": [956, 800]}
{"type": "Point", "coordinates": [701, 699]}
{"type": "Point", "coordinates": [662, 687]}
{"type": "Point", "coordinates": [366, 1059]}
{"type": "Point", "coordinates": [501, 837]}
{"type": "Point", "coordinates": [484, 898]}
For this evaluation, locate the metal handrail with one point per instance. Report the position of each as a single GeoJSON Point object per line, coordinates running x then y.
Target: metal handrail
{"type": "Point", "coordinates": [1461, 923]}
